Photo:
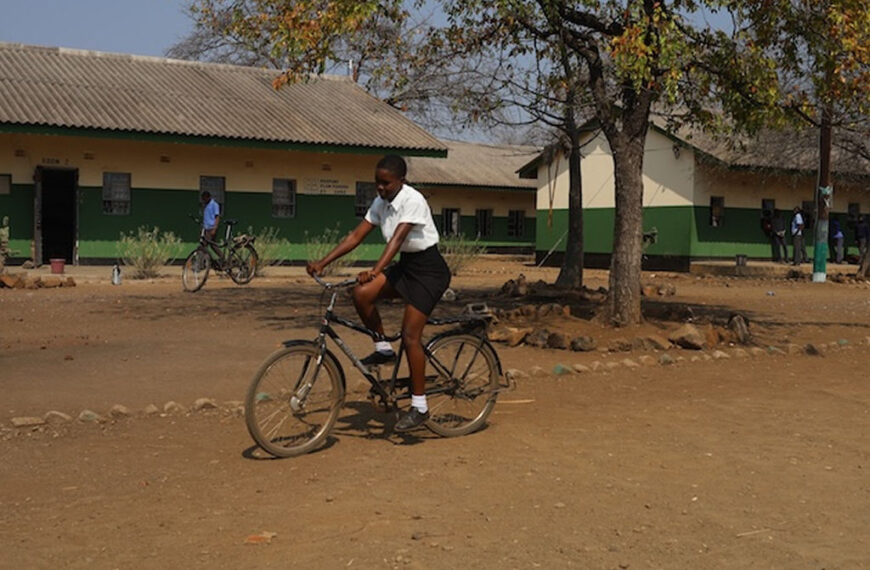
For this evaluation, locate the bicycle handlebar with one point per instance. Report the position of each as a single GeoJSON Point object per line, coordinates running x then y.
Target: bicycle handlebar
{"type": "Point", "coordinates": [325, 285]}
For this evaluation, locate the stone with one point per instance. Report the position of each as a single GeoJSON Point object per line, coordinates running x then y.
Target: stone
{"type": "Point", "coordinates": [611, 365]}
{"type": "Point", "coordinates": [656, 342]}
{"type": "Point", "coordinates": [740, 327]}
{"type": "Point", "coordinates": [10, 280]}
{"type": "Point", "coordinates": [119, 411]}
{"type": "Point", "coordinates": [558, 340]}
{"type": "Point", "coordinates": [91, 417]}
{"type": "Point", "coordinates": [629, 363]}
{"type": "Point", "coordinates": [32, 282]}
{"type": "Point", "coordinates": [667, 290]}
{"type": "Point", "coordinates": [516, 373]}
{"type": "Point", "coordinates": [596, 365]}
{"type": "Point", "coordinates": [740, 353]}
{"type": "Point", "coordinates": [56, 417]}
{"type": "Point", "coordinates": [529, 310]}
{"type": "Point", "coordinates": [28, 264]}
{"type": "Point", "coordinates": [792, 348]}
{"type": "Point", "coordinates": [51, 282]}
{"type": "Point", "coordinates": [70, 282]}
{"type": "Point", "coordinates": [538, 338]}
{"type": "Point", "coordinates": [720, 355]}
{"type": "Point", "coordinates": [666, 359]}
{"type": "Point", "coordinates": [711, 336]}
{"type": "Point", "coordinates": [583, 344]}
{"type": "Point", "coordinates": [619, 345]}
{"type": "Point", "coordinates": [647, 360]}
{"type": "Point", "coordinates": [204, 404]}
{"type": "Point", "coordinates": [581, 369]}
{"type": "Point", "coordinates": [649, 291]}
{"type": "Point", "coordinates": [537, 371]}
{"type": "Point", "coordinates": [561, 370]}
{"type": "Point", "coordinates": [172, 407]}
{"type": "Point", "coordinates": [814, 350]}
{"type": "Point", "coordinates": [27, 421]}
{"type": "Point", "coordinates": [687, 336]}
{"type": "Point", "coordinates": [151, 410]}
{"type": "Point", "coordinates": [517, 336]}
{"type": "Point", "coordinates": [775, 350]}
{"type": "Point", "coordinates": [842, 342]}
{"type": "Point", "coordinates": [756, 351]}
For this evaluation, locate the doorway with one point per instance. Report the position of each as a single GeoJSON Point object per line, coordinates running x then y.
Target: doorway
{"type": "Point", "coordinates": [57, 214]}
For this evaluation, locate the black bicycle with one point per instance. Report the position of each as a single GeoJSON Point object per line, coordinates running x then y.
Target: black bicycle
{"type": "Point", "coordinates": [236, 257]}
{"type": "Point", "coordinates": [295, 397]}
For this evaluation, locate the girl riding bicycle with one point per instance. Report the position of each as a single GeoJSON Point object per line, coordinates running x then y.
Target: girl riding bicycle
{"type": "Point", "coordinates": [420, 277]}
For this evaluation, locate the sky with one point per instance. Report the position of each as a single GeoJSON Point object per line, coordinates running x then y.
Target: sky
{"type": "Point", "coordinates": [141, 27]}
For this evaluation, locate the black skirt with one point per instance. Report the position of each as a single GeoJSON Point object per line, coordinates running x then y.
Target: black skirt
{"type": "Point", "coordinates": [420, 278]}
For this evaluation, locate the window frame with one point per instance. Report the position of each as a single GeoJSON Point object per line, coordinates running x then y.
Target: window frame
{"type": "Point", "coordinates": [5, 184]}
{"type": "Point", "coordinates": [365, 194]}
{"type": "Point", "coordinates": [483, 227]}
{"type": "Point", "coordinates": [717, 203]}
{"type": "Point", "coordinates": [516, 224]}
{"type": "Point", "coordinates": [279, 202]}
{"type": "Point", "coordinates": [218, 195]}
{"type": "Point", "coordinates": [110, 197]}
{"type": "Point", "coordinates": [444, 221]}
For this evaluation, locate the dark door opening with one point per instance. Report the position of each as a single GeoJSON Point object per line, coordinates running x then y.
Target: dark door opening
{"type": "Point", "coordinates": [58, 217]}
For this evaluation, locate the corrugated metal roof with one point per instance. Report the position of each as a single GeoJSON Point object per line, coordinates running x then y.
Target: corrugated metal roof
{"type": "Point", "coordinates": [473, 164]}
{"type": "Point", "coordinates": [58, 87]}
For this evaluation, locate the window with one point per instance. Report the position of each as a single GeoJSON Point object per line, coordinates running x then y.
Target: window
{"type": "Point", "coordinates": [365, 194]}
{"type": "Point", "coordinates": [854, 210]}
{"type": "Point", "coordinates": [283, 198]}
{"type": "Point", "coordinates": [717, 210]}
{"type": "Point", "coordinates": [116, 193]}
{"type": "Point", "coordinates": [5, 183]}
{"type": "Point", "coordinates": [450, 221]}
{"type": "Point", "coordinates": [516, 223]}
{"type": "Point", "coordinates": [216, 186]}
{"type": "Point", "coordinates": [768, 207]}
{"type": "Point", "coordinates": [483, 225]}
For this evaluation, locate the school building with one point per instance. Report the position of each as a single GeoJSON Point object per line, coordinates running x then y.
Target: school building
{"type": "Point", "coordinates": [703, 198]}
{"type": "Point", "coordinates": [94, 145]}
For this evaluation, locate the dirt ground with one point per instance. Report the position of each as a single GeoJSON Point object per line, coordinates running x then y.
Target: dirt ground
{"type": "Point", "coordinates": [740, 463]}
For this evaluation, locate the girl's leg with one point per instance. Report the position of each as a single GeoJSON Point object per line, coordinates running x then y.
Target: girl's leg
{"type": "Point", "coordinates": [364, 297]}
{"type": "Point", "coordinates": [412, 337]}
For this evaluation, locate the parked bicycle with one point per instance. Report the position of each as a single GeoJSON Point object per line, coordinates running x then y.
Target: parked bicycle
{"type": "Point", "coordinates": [296, 395]}
{"type": "Point", "coordinates": [236, 257]}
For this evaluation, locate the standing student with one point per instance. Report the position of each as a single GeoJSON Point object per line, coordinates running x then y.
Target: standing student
{"type": "Point", "coordinates": [420, 277]}
{"type": "Point", "coordinates": [797, 232]}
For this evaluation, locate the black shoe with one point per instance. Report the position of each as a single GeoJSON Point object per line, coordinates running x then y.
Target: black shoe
{"type": "Point", "coordinates": [378, 357]}
{"type": "Point", "coordinates": [412, 419]}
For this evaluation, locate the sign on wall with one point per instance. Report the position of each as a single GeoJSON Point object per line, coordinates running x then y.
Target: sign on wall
{"type": "Point", "coordinates": [324, 186]}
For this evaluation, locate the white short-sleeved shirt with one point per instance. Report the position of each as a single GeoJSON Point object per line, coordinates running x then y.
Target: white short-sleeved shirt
{"type": "Point", "coordinates": [407, 207]}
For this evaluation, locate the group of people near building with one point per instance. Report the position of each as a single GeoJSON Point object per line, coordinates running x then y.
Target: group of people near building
{"type": "Point", "coordinates": [774, 226]}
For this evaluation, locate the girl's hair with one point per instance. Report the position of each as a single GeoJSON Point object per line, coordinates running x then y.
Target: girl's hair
{"type": "Point", "coordinates": [395, 164]}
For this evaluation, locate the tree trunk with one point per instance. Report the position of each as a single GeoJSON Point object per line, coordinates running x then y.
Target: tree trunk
{"type": "Point", "coordinates": [864, 265]}
{"type": "Point", "coordinates": [571, 273]}
{"type": "Point", "coordinates": [625, 262]}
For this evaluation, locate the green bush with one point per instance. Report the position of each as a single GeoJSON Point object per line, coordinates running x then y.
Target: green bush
{"type": "Point", "coordinates": [316, 248]}
{"type": "Point", "coordinates": [271, 249]}
{"type": "Point", "coordinates": [146, 250]}
{"type": "Point", "coordinates": [458, 252]}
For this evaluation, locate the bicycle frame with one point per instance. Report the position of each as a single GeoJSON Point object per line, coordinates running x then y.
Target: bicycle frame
{"type": "Point", "coordinates": [387, 396]}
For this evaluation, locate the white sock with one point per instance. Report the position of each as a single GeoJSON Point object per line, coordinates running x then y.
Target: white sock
{"type": "Point", "coordinates": [419, 402]}
{"type": "Point", "coordinates": [383, 346]}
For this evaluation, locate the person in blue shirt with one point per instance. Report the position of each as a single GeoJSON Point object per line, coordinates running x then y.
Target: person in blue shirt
{"type": "Point", "coordinates": [837, 237]}
{"type": "Point", "coordinates": [210, 215]}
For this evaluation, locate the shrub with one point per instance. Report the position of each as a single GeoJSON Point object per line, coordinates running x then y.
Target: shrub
{"type": "Point", "coordinates": [270, 248]}
{"type": "Point", "coordinates": [316, 247]}
{"type": "Point", "coordinates": [459, 252]}
{"type": "Point", "coordinates": [146, 250]}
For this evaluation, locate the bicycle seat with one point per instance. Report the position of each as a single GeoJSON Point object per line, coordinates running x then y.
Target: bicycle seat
{"type": "Point", "coordinates": [231, 222]}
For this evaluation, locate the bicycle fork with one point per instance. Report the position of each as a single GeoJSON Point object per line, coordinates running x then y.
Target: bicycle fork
{"type": "Point", "coordinates": [305, 383]}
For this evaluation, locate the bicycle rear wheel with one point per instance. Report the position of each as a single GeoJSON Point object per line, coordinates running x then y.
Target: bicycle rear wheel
{"type": "Point", "coordinates": [242, 264]}
{"type": "Point", "coordinates": [194, 273]}
{"type": "Point", "coordinates": [292, 402]}
{"type": "Point", "coordinates": [459, 404]}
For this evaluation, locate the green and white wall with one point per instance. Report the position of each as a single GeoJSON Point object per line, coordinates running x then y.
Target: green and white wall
{"type": "Point", "coordinates": [677, 191]}
{"type": "Point", "coordinates": [165, 174]}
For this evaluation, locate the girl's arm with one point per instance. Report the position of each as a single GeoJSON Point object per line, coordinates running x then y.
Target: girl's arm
{"type": "Point", "coordinates": [402, 231]}
{"type": "Point", "coordinates": [349, 242]}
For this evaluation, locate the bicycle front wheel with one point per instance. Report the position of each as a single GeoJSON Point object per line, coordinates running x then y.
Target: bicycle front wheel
{"type": "Point", "coordinates": [195, 271]}
{"type": "Point", "coordinates": [293, 401]}
{"type": "Point", "coordinates": [242, 264]}
{"type": "Point", "coordinates": [460, 403]}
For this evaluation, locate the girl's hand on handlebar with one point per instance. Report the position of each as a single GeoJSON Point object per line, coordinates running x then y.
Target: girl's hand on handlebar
{"type": "Point", "coordinates": [314, 268]}
{"type": "Point", "coordinates": [366, 276]}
